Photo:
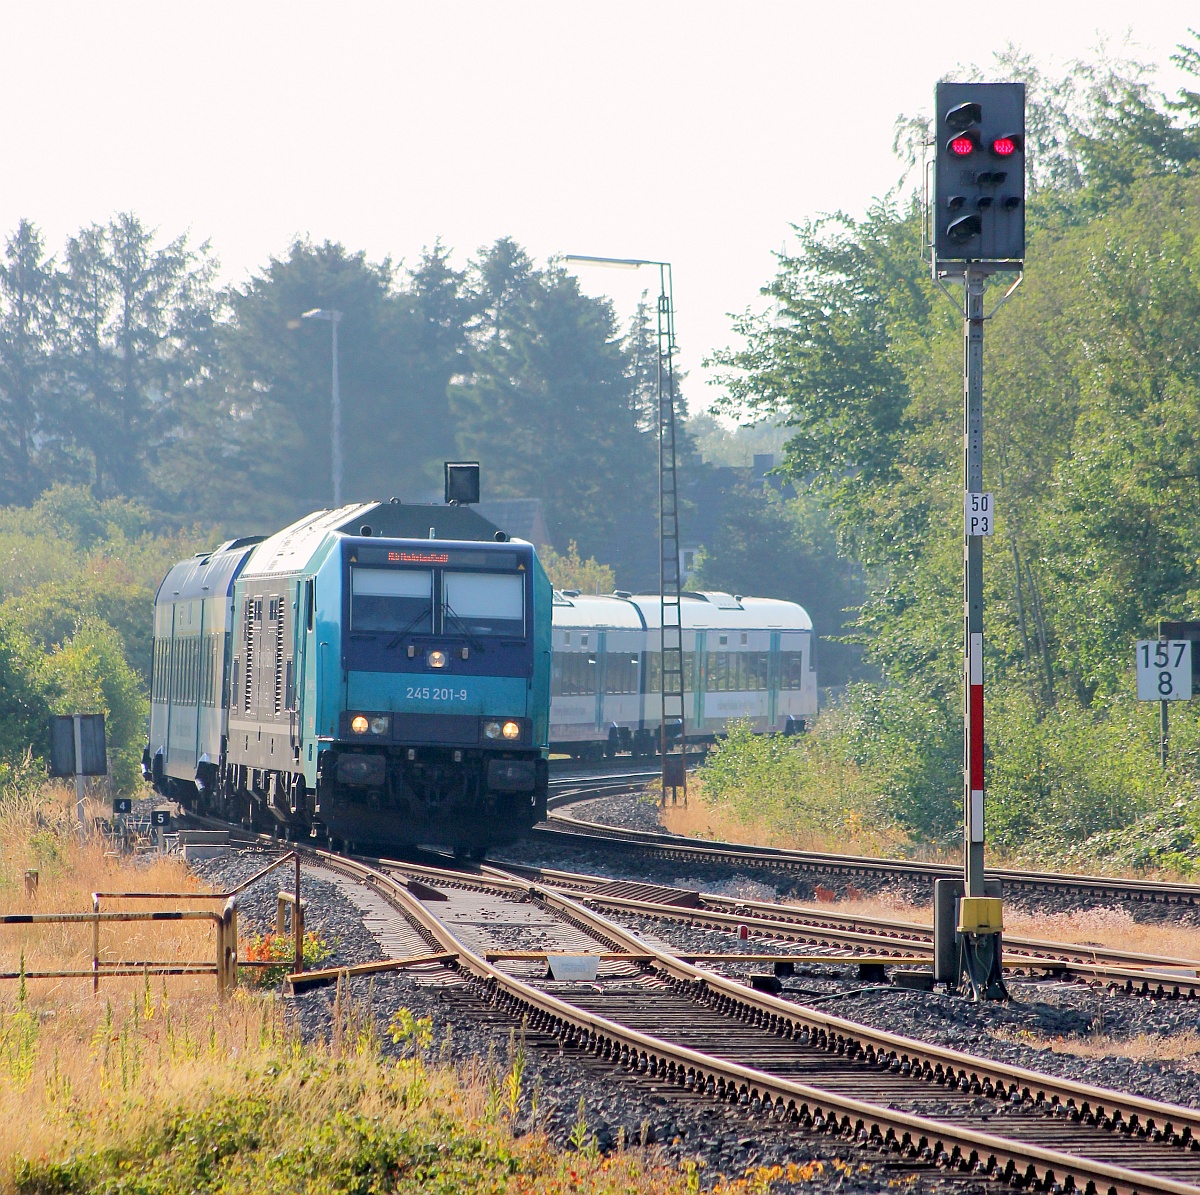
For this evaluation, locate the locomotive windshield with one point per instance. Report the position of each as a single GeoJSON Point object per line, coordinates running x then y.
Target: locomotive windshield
{"type": "Point", "coordinates": [484, 603]}
{"type": "Point", "coordinates": [399, 601]}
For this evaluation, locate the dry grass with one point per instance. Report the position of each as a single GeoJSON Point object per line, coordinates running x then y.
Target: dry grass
{"type": "Point", "coordinates": [723, 822]}
{"type": "Point", "coordinates": [157, 1086]}
{"type": "Point", "coordinates": [1183, 1046]}
{"type": "Point", "coordinates": [1108, 926]}
{"type": "Point", "coordinates": [37, 830]}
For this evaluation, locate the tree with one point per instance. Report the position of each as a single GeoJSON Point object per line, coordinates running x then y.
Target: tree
{"type": "Point", "coordinates": [770, 546]}
{"type": "Point", "coordinates": [28, 434]}
{"type": "Point", "coordinates": [567, 571]}
{"type": "Point", "coordinates": [260, 447]}
{"type": "Point", "coordinates": [133, 341]}
{"type": "Point", "coordinates": [551, 409]}
{"type": "Point", "coordinates": [24, 709]}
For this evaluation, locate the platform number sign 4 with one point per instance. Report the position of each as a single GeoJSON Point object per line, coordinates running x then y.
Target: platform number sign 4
{"type": "Point", "coordinates": [1164, 670]}
{"type": "Point", "coordinates": [978, 513]}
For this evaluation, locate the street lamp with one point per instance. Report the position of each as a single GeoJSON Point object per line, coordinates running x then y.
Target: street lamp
{"type": "Point", "coordinates": [674, 767]}
{"type": "Point", "coordinates": [334, 317]}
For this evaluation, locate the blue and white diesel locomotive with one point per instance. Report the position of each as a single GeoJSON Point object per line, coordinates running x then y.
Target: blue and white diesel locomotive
{"type": "Point", "coordinates": [744, 658]}
{"type": "Point", "coordinates": [379, 673]}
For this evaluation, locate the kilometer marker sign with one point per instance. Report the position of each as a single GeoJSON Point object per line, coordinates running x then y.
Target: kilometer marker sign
{"type": "Point", "coordinates": [1164, 670]}
{"type": "Point", "coordinates": [978, 513]}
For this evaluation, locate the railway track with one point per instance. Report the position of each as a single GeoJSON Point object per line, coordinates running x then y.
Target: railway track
{"type": "Point", "coordinates": [1151, 975]}
{"type": "Point", "coordinates": [706, 1034]}
{"type": "Point", "coordinates": [560, 830]}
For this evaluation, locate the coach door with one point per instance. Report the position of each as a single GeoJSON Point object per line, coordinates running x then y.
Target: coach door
{"type": "Point", "coordinates": [773, 682]}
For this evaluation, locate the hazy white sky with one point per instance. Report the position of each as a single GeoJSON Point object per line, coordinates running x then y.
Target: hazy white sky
{"type": "Point", "coordinates": [694, 132]}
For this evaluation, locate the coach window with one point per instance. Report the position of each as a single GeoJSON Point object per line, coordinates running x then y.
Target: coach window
{"type": "Point", "coordinates": [791, 666]}
{"type": "Point", "coordinates": [484, 603]}
{"type": "Point", "coordinates": [620, 673]}
{"type": "Point", "coordinates": [573, 674]}
{"type": "Point", "coordinates": [754, 664]}
{"type": "Point", "coordinates": [395, 601]}
{"type": "Point", "coordinates": [689, 670]}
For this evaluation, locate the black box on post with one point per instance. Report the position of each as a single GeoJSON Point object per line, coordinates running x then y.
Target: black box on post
{"type": "Point", "coordinates": [462, 483]}
{"type": "Point", "coordinates": [94, 756]}
{"type": "Point", "coordinates": [946, 894]}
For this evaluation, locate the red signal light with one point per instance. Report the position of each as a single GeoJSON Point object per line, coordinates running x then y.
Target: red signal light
{"type": "Point", "coordinates": [1002, 147]}
{"type": "Point", "coordinates": [962, 146]}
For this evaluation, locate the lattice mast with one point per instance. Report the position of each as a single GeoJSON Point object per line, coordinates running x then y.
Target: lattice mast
{"type": "Point", "coordinates": [672, 729]}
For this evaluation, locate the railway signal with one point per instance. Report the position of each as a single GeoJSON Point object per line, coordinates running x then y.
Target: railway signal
{"type": "Point", "coordinates": [977, 220]}
{"type": "Point", "coordinates": [979, 173]}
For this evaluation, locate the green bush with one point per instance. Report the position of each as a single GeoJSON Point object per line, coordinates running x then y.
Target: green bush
{"type": "Point", "coordinates": [808, 785]}
{"type": "Point", "coordinates": [49, 614]}
{"type": "Point", "coordinates": [24, 708]}
{"type": "Point", "coordinates": [1071, 773]}
{"type": "Point", "coordinates": [1087, 782]}
{"type": "Point", "coordinates": [89, 672]}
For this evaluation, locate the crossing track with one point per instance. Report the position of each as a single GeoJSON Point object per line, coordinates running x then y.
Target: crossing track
{"type": "Point", "coordinates": [707, 1034]}
{"type": "Point", "coordinates": [563, 830]}
{"type": "Point", "coordinates": [1143, 974]}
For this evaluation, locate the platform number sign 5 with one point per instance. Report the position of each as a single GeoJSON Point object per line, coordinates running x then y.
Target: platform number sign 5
{"type": "Point", "coordinates": [1164, 670]}
{"type": "Point", "coordinates": [978, 513]}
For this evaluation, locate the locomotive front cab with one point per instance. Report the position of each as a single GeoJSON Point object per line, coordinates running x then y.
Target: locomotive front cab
{"type": "Point", "coordinates": [435, 720]}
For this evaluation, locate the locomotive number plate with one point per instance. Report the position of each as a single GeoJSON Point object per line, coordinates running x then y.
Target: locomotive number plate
{"type": "Point", "coordinates": [426, 693]}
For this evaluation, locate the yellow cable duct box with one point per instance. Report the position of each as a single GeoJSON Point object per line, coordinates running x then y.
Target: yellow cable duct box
{"type": "Point", "coordinates": [980, 915]}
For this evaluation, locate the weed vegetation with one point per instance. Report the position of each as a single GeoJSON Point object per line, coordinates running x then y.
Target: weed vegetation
{"type": "Point", "coordinates": [806, 792]}
{"type": "Point", "coordinates": [155, 1097]}
{"type": "Point", "coordinates": [1075, 788]}
{"type": "Point", "coordinates": [155, 1086]}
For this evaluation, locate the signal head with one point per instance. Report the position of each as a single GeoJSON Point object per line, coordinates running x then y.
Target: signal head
{"type": "Point", "coordinates": [1005, 147]}
{"type": "Point", "coordinates": [963, 116]}
{"type": "Point", "coordinates": [963, 145]}
{"type": "Point", "coordinates": [963, 229]}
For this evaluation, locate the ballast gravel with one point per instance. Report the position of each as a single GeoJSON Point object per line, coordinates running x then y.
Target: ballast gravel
{"type": "Point", "coordinates": [1067, 1014]}
{"type": "Point", "coordinates": [639, 812]}
{"type": "Point", "coordinates": [618, 1106]}
{"type": "Point", "coordinates": [564, 1092]}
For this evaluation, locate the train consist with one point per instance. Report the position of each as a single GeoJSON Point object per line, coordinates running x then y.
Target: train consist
{"type": "Point", "coordinates": [378, 673]}
{"type": "Point", "coordinates": [398, 674]}
{"type": "Point", "coordinates": [744, 658]}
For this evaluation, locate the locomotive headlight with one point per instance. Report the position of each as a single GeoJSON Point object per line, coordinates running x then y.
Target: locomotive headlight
{"type": "Point", "coordinates": [436, 659]}
{"type": "Point", "coordinates": [511, 730]}
{"type": "Point", "coordinates": [359, 724]}
{"type": "Point", "coordinates": [380, 725]}
{"type": "Point", "coordinates": [492, 730]}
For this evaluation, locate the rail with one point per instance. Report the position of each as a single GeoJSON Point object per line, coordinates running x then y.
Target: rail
{"type": "Point", "coordinates": [677, 1065]}
{"type": "Point", "coordinates": [577, 831]}
{"type": "Point", "coordinates": [1155, 975]}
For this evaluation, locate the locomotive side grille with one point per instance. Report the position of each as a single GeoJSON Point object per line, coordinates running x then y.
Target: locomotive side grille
{"type": "Point", "coordinates": [249, 678]}
{"type": "Point", "coordinates": [278, 665]}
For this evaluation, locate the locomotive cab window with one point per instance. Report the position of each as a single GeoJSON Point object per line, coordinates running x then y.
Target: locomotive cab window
{"type": "Point", "coordinates": [483, 604]}
{"type": "Point", "coordinates": [391, 601]}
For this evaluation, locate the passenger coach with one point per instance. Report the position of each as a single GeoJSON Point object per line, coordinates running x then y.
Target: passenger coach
{"type": "Point", "coordinates": [744, 658]}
